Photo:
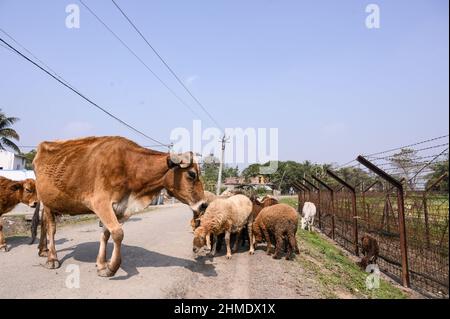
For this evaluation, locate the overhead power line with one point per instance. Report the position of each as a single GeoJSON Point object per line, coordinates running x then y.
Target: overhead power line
{"type": "Point", "coordinates": [139, 59]}
{"type": "Point", "coordinates": [167, 65]}
{"type": "Point", "coordinates": [63, 82]}
{"type": "Point", "coordinates": [35, 57]}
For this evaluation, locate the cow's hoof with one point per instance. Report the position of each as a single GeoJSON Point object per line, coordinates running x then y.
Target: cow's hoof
{"type": "Point", "coordinates": [5, 248]}
{"type": "Point", "coordinates": [228, 256]}
{"type": "Point", "coordinates": [276, 257]}
{"type": "Point", "coordinates": [251, 252]}
{"type": "Point", "coordinates": [43, 253]}
{"type": "Point", "coordinates": [106, 272]}
{"type": "Point", "coordinates": [52, 264]}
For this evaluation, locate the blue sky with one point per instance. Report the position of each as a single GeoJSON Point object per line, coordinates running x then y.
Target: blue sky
{"type": "Point", "coordinates": [312, 69]}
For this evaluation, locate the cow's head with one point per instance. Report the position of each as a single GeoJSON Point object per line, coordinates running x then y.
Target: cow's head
{"type": "Point", "coordinates": [182, 181]}
{"type": "Point", "coordinates": [26, 192]}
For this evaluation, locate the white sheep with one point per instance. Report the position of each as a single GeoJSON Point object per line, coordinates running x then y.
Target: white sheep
{"type": "Point", "coordinates": [227, 216]}
{"type": "Point", "coordinates": [308, 214]}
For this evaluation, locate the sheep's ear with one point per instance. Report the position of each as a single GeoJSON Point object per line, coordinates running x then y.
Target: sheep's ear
{"type": "Point", "coordinates": [15, 187]}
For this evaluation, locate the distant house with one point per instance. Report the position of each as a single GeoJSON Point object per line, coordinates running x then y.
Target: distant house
{"type": "Point", "coordinates": [11, 161]}
{"type": "Point", "coordinates": [258, 181]}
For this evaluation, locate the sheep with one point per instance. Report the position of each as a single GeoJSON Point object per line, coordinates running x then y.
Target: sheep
{"type": "Point", "coordinates": [208, 198]}
{"type": "Point", "coordinates": [227, 216]}
{"type": "Point", "coordinates": [258, 205]}
{"type": "Point", "coordinates": [370, 250]}
{"type": "Point", "coordinates": [281, 222]}
{"type": "Point", "coordinates": [308, 214]}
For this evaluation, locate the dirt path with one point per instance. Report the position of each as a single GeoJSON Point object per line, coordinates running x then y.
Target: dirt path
{"type": "Point", "coordinates": [157, 263]}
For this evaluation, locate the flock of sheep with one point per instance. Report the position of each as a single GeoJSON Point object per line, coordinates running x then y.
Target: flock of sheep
{"type": "Point", "coordinates": [260, 220]}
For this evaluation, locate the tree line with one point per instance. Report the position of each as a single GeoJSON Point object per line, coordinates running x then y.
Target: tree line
{"type": "Point", "coordinates": [405, 163]}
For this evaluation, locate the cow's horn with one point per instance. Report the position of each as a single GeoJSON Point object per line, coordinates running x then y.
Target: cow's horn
{"type": "Point", "coordinates": [182, 160]}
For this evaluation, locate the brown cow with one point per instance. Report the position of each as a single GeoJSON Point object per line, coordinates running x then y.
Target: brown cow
{"type": "Point", "coordinates": [11, 194]}
{"type": "Point", "coordinates": [111, 177]}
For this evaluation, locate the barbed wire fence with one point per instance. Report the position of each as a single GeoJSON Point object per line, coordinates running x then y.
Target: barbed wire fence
{"type": "Point", "coordinates": [400, 198]}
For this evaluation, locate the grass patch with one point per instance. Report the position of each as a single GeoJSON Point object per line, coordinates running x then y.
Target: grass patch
{"type": "Point", "coordinates": [289, 201]}
{"type": "Point", "coordinates": [338, 275]}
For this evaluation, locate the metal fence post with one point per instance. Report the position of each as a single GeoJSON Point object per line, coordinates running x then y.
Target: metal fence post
{"type": "Point", "coordinates": [332, 202]}
{"type": "Point", "coordinates": [401, 214]}
{"type": "Point", "coordinates": [354, 210]}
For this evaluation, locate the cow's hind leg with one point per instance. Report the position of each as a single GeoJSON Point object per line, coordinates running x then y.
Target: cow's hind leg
{"type": "Point", "coordinates": [52, 258]}
{"type": "Point", "coordinates": [43, 249]}
{"type": "Point", "coordinates": [3, 246]}
{"type": "Point", "coordinates": [105, 212]}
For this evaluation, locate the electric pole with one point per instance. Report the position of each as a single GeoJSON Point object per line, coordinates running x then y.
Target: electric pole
{"type": "Point", "coordinates": [224, 140]}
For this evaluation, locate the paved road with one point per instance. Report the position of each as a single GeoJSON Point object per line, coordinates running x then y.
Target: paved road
{"type": "Point", "coordinates": [157, 263]}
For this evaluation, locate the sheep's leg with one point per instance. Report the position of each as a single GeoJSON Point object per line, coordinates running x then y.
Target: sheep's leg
{"type": "Point", "coordinates": [292, 246]}
{"type": "Point", "coordinates": [251, 241]}
{"type": "Point", "coordinates": [236, 241]}
{"type": "Point", "coordinates": [278, 246]}
{"type": "Point", "coordinates": [312, 224]}
{"type": "Point", "coordinates": [208, 241]}
{"type": "Point", "coordinates": [227, 242]}
{"type": "Point", "coordinates": [269, 244]}
{"type": "Point", "coordinates": [219, 242]}
{"type": "Point", "coordinates": [214, 246]}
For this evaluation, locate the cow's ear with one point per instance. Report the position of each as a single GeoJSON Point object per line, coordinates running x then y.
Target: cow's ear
{"type": "Point", "coordinates": [16, 186]}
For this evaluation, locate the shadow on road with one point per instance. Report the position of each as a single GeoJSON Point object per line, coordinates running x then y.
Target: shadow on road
{"type": "Point", "coordinates": [17, 241]}
{"type": "Point", "coordinates": [134, 257]}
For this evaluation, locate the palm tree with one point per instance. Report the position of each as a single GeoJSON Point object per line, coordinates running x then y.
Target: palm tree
{"type": "Point", "coordinates": [7, 134]}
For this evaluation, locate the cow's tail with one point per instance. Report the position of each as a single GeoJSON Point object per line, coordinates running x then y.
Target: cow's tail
{"type": "Point", "coordinates": [35, 223]}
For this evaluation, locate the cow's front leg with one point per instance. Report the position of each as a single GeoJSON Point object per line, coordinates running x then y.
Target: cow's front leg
{"type": "Point", "coordinates": [101, 257]}
{"type": "Point", "coordinates": [3, 246]}
{"type": "Point", "coordinates": [52, 258]}
{"type": "Point", "coordinates": [105, 212]}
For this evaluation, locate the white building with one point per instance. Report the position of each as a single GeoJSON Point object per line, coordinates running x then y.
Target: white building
{"type": "Point", "coordinates": [11, 161]}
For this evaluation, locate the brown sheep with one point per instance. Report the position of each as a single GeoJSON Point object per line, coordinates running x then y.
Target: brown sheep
{"type": "Point", "coordinates": [370, 250]}
{"type": "Point", "coordinates": [257, 207]}
{"type": "Point", "coordinates": [227, 216]}
{"type": "Point", "coordinates": [281, 222]}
